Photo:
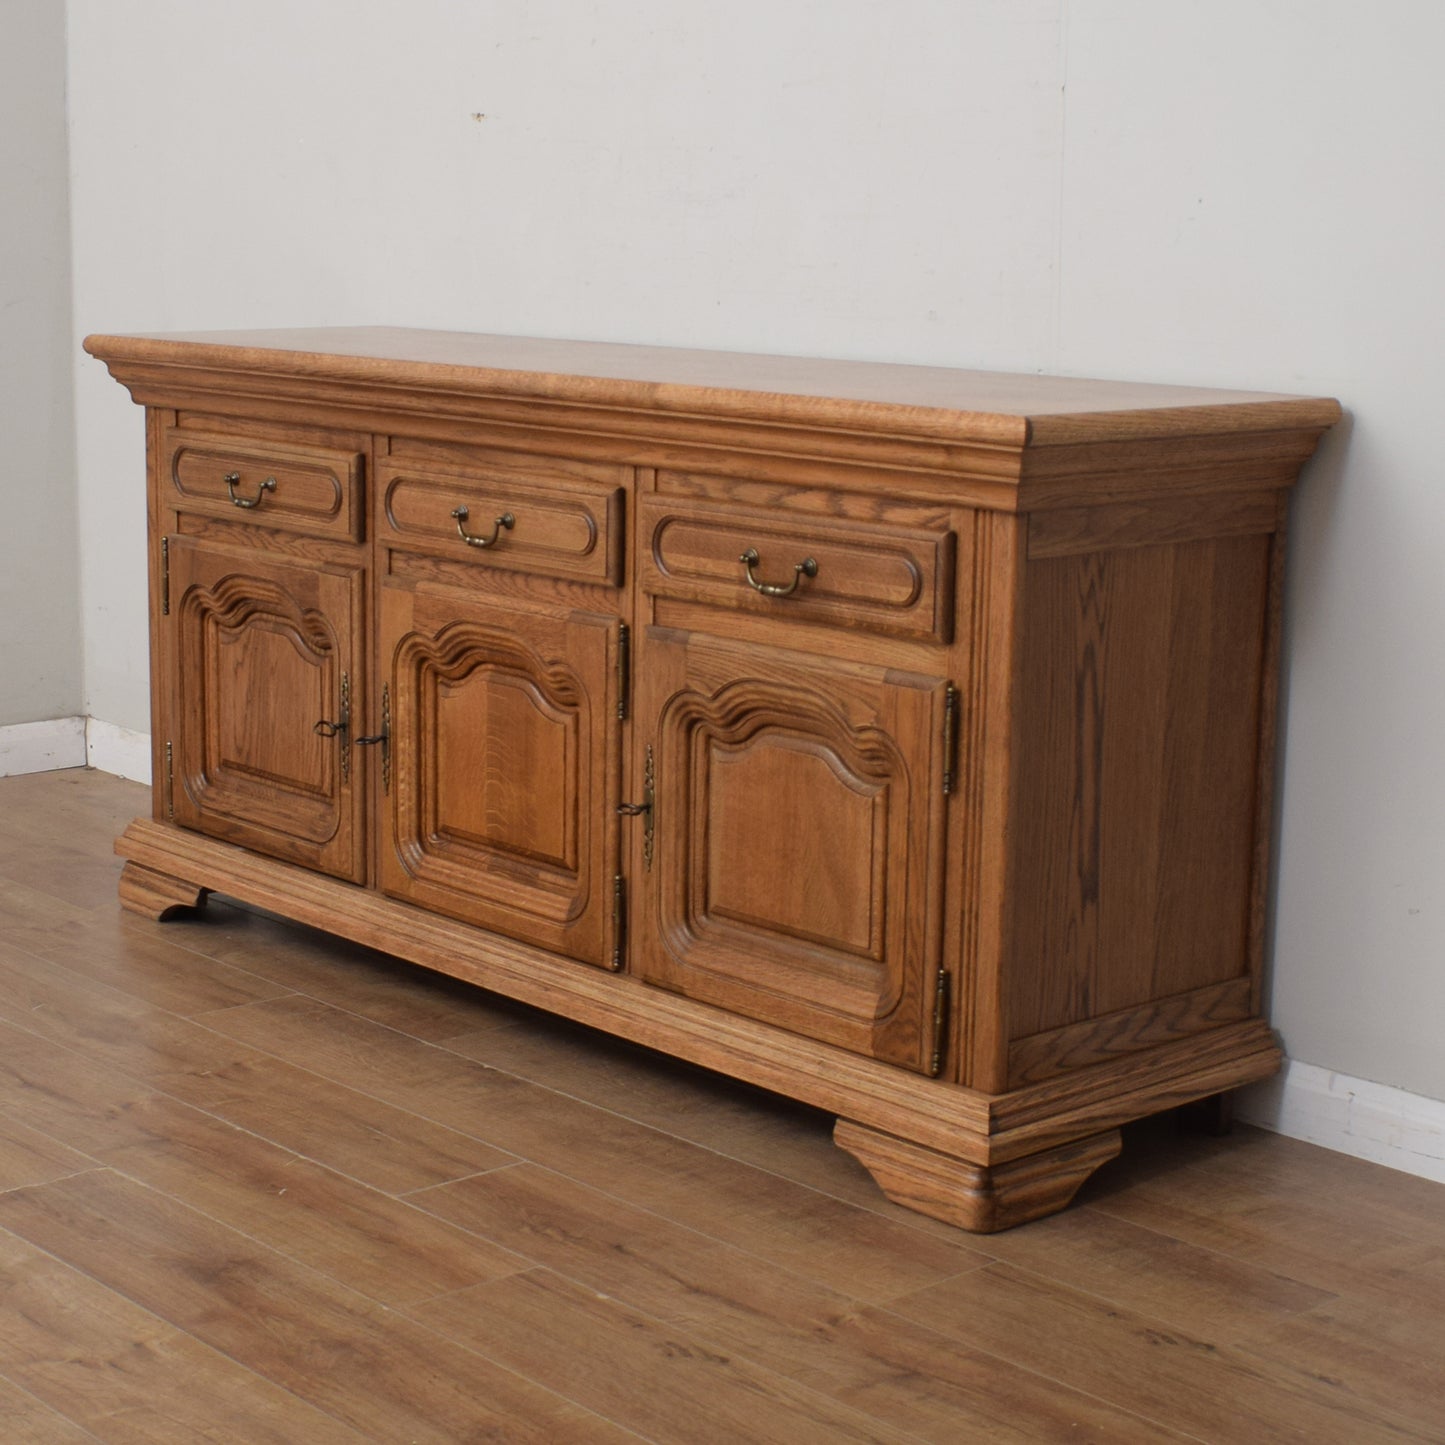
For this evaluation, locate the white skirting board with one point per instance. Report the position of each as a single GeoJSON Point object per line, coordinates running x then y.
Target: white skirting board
{"type": "Point", "coordinates": [41, 747]}
{"type": "Point", "coordinates": [118, 750]}
{"type": "Point", "coordinates": [1352, 1116]}
{"type": "Point", "coordinates": [74, 742]}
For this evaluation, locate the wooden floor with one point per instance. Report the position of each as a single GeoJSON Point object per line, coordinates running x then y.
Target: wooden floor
{"type": "Point", "coordinates": [260, 1186]}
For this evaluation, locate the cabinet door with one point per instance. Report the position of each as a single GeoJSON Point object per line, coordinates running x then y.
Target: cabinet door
{"type": "Point", "coordinates": [502, 809]}
{"type": "Point", "coordinates": [263, 649]}
{"type": "Point", "coordinates": [797, 840]}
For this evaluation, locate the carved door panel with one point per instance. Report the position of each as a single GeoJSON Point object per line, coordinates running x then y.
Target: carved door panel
{"type": "Point", "coordinates": [797, 840]}
{"type": "Point", "coordinates": [504, 758]}
{"type": "Point", "coordinates": [262, 650]}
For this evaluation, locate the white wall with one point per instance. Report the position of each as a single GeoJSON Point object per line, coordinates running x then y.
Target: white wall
{"type": "Point", "coordinates": [1241, 192]}
{"type": "Point", "coordinates": [40, 676]}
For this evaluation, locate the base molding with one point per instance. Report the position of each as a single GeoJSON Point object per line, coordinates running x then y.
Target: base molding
{"type": "Point", "coordinates": [979, 1198]}
{"type": "Point", "coordinates": [1351, 1116]}
{"type": "Point", "coordinates": [74, 742]}
{"type": "Point", "coordinates": [42, 747]}
{"type": "Point", "coordinates": [117, 750]}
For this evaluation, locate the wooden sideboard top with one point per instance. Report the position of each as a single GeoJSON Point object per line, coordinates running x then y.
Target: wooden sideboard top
{"type": "Point", "coordinates": [990, 408]}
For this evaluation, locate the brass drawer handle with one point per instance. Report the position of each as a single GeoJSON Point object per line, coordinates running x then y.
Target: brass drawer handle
{"type": "Point", "coordinates": [506, 520]}
{"type": "Point", "coordinates": [806, 568]}
{"type": "Point", "coordinates": [231, 478]}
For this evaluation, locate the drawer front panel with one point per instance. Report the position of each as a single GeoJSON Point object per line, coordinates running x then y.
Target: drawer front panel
{"type": "Point", "coordinates": [517, 515]}
{"type": "Point", "coordinates": [299, 489]}
{"type": "Point", "coordinates": [864, 575]}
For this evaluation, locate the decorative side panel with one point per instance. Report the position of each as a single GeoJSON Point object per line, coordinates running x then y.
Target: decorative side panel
{"type": "Point", "coordinates": [1138, 747]}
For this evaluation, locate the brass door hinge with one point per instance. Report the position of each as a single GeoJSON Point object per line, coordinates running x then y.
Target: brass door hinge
{"type": "Point", "coordinates": [619, 923]}
{"type": "Point", "coordinates": [170, 782]}
{"type": "Point", "coordinates": [940, 1023]}
{"type": "Point", "coordinates": [624, 669]}
{"type": "Point", "coordinates": [950, 738]}
{"type": "Point", "coordinates": [165, 576]}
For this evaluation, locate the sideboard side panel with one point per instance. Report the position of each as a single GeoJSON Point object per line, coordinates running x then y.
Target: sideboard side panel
{"type": "Point", "coordinates": [1141, 697]}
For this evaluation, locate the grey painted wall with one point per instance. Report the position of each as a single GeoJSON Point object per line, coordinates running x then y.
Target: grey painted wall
{"type": "Point", "coordinates": [40, 642]}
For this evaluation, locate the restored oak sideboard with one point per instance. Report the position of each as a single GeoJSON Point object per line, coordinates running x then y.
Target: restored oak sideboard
{"type": "Point", "coordinates": [896, 738]}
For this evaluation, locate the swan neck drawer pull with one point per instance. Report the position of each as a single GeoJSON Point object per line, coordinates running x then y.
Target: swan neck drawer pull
{"type": "Point", "coordinates": [806, 568]}
{"type": "Point", "coordinates": [231, 478]}
{"type": "Point", "coordinates": [506, 520]}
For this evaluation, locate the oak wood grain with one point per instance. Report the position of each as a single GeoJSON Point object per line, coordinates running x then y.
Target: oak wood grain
{"type": "Point", "coordinates": [329, 1346]}
{"type": "Point", "coordinates": [983, 799]}
{"type": "Point", "coordinates": [316, 490]}
{"type": "Point", "coordinates": [566, 516]}
{"type": "Point", "coordinates": [880, 578]}
{"type": "Point", "coordinates": [78, 1102]}
{"type": "Point", "coordinates": [265, 650]}
{"type": "Point", "coordinates": [147, 965]}
{"type": "Point", "coordinates": [985, 405]}
{"type": "Point", "coordinates": [157, 895]}
{"type": "Point", "coordinates": [354, 1234]}
{"type": "Point", "coordinates": [864, 1357]}
{"type": "Point", "coordinates": [811, 1233]}
{"type": "Point", "coordinates": [27, 1420]}
{"type": "Point", "coordinates": [30, 1157]}
{"type": "Point", "coordinates": [648, 1375]}
{"type": "Point", "coordinates": [799, 814]}
{"type": "Point", "coordinates": [1139, 736]}
{"type": "Point", "coordinates": [502, 808]}
{"type": "Point", "coordinates": [1171, 1374]}
{"type": "Point", "coordinates": [120, 1373]}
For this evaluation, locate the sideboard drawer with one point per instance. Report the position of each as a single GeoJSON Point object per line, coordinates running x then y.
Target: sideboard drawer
{"type": "Point", "coordinates": [296, 488]}
{"type": "Point", "coordinates": [877, 577]}
{"type": "Point", "coordinates": [521, 514]}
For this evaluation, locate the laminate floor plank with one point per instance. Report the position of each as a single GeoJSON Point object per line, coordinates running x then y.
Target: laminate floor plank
{"type": "Point", "coordinates": [58, 871]}
{"type": "Point", "coordinates": [260, 1184]}
{"type": "Point", "coordinates": [1142, 1364]}
{"type": "Point", "coordinates": [109, 1026]}
{"type": "Point", "coordinates": [118, 1373]}
{"type": "Point", "coordinates": [145, 965]}
{"type": "Point", "coordinates": [353, 1133]}
{"type": "Point", "coordinates": [350, 976]}
{"type": "Point", "coordinates": [24, 906]}
{"type": "Point", "coordinates": [1255, 1193]}
{"type": "Point", "coordinates": [383, 1375]}
{"type": "Point", "coordinates": [814, 1234]}
{"type": "Point", "coordinates": [1386, 1351]}
{"type": "Point", "coordinates": [1332, 1239]}
{"type": "Point", "coordinates": [24, 1420]}
{"type": "Point", "coordinates": [360, 1236]}
{"type": "Point", "coordinates": [28, 1156]}
{"type": "Point", "coordinates": [68, 1090]}
{"type": "Point", "coordinates": [76, 805]}
{"type": "Point", "coordinates": [656, 1379]}
{"type": "Point", "coordinates": [724, 1115]}
{"type": "Point", "coordinates": [378, 1245]}
{"type": "Point", "coordinates": [1173, 1281]}
{"type": "Point", "coordinates": [862, 1356]}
